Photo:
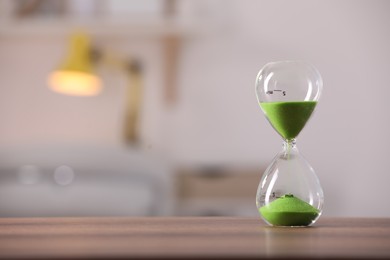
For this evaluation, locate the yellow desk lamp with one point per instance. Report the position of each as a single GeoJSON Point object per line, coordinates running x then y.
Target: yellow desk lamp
{"type": "Point", "coordinates": [75, 76]}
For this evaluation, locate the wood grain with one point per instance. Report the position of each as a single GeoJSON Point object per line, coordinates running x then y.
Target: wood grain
{"type": "Point", "coordinates": [203, 237]}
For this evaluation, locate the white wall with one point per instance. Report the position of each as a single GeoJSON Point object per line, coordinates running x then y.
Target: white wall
{"type": "Point", "coordinates": [216, 119]}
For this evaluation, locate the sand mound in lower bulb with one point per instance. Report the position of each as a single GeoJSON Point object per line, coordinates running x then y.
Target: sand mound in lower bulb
{"type": "Point", "coordinates": [289, 211]}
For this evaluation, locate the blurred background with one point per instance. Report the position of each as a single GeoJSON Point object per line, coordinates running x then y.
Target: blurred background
{"type": "Point", "coordinates": [174, 127]}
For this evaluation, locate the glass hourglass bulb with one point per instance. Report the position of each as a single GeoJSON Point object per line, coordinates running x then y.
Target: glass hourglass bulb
{"type": "Point", "coordinates": [289, 193]}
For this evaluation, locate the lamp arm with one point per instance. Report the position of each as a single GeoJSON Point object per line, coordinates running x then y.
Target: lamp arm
{"type": "Point", "coordinates": [133, 97]}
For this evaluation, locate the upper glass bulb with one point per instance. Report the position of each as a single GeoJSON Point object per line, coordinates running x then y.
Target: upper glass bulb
{"type": "Point", "coordinates": [287, 92]}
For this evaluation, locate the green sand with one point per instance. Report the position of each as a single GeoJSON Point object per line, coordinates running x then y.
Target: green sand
{"type": "Point", "coordinates": [289, 211]}
{"type": "Point", "coordinates": [288, 118]}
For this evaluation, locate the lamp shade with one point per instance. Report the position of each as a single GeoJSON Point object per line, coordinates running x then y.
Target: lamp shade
{"type": "Point", "coordinates": [75, 76]}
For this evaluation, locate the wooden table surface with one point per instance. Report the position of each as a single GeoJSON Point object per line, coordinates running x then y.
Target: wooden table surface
{"type": "Point", "coordinates": [182, 237]}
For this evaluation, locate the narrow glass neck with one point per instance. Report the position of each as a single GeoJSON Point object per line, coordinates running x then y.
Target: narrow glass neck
{"type": "Point", "coordinates": [290, 144]}
{"type": "Point", "coordinates": [289, 149]}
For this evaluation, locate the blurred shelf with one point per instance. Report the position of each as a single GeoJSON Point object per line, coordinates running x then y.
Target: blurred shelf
{"type": "Point", "coordinates": [98, 18]}
{"type": "Point", "coordinates": [124, 28]}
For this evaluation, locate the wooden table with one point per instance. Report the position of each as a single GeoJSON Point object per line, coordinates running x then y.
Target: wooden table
{"type": "Point", "coordinates": [203, 237]}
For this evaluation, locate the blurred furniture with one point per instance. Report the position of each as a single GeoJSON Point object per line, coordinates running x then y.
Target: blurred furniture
{"type": "Point", "coordinates": [60, 180]}
{"type": "Point", "coordinates": [217, 191]}
{"type": "Point", "coordinates": [183, 238]}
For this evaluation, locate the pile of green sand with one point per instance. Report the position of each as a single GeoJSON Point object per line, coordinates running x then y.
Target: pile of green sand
{"type": "Point", "coordinates": [289, 211]}
{"type": "Point", "coordinates": [288, 118]}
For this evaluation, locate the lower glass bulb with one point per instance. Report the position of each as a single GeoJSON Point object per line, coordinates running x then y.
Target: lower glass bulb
{"type": "Point", "coordinates": [289, 193]}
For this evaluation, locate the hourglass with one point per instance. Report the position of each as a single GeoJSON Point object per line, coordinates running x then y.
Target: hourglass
{"type": "Point", "coordinates": [289, 193]}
